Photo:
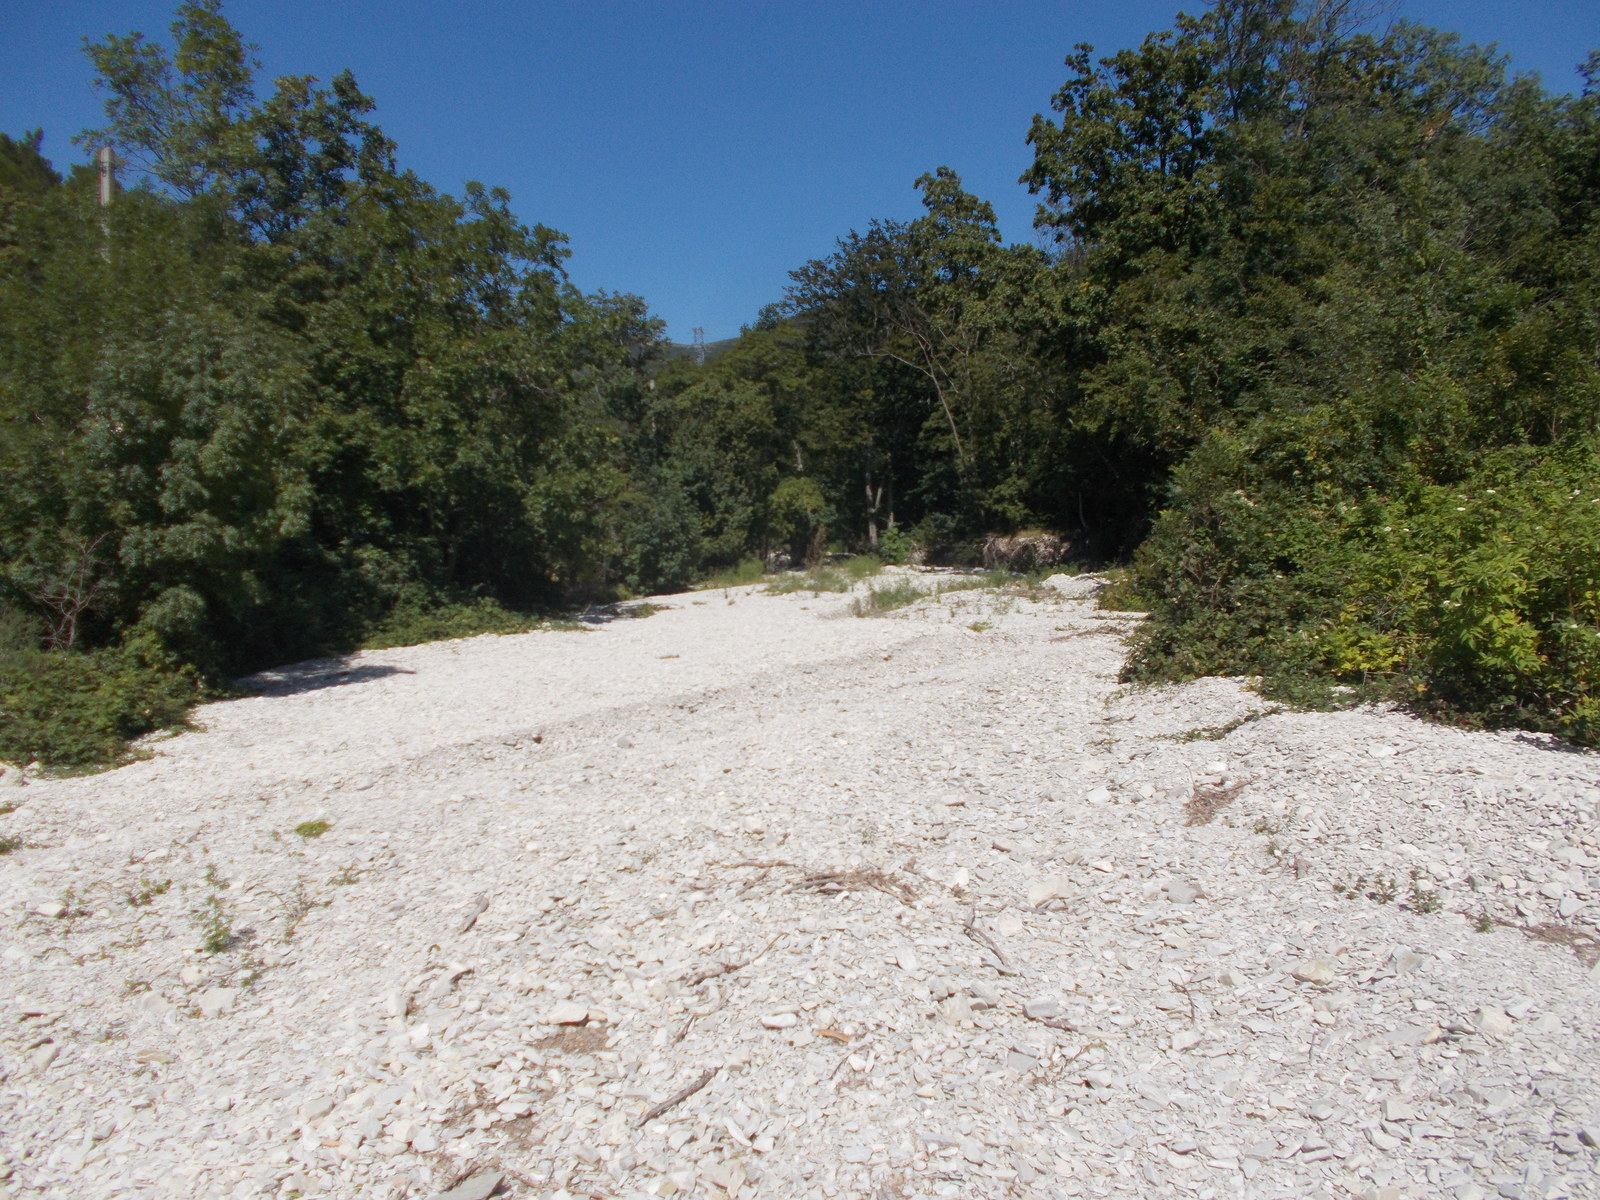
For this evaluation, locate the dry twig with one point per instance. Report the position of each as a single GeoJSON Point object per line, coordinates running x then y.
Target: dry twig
{"type": "Point", "coordinates": [651, 1113]}
{"type": "Point", "coordinates": [715, 970]}
{"type": "Point", "coordinates": [974, 931]}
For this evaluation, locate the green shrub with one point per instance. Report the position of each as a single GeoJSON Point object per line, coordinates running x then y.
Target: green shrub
{"type": "Point", "coordinates": [895, 546]}
{"type": "Point", "coordinates": [1478, 599]}
{"type": "Point", "coordinates": [410, 624]}
{"type": "Point", "coordinates": [69, 709]}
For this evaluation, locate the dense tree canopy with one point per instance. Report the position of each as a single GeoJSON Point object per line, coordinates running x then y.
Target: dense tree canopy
{"type": "Point", "coordinates": [1315, 341]}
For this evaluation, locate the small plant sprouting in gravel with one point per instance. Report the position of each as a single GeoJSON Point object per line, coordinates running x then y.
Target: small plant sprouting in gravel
{"type": "Point", "coordinates": [215, 922]}
{"type": "Point", "coordinates": [346, 877]}
{"type": "Point", "coordinates": [9, 844]}
{"type": "Point", "coordinates": [1423, 899]}
{"type": "Point", "coordinates": [1263, 825]}
{"type": "Point", "coordinates": [1384, 889]}
{"type": "Point", "coordinates": [312, 829]}
{"type": "Point", "coordinates": [295, 907]}
{"type": "Point", "coordinates": [1485, 923]}
{"type": "Point", "coordinates": [147, 891]}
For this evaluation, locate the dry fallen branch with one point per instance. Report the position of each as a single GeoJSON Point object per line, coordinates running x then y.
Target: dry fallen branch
{"type": "Point", "coordinates": [976, 932]}
{"type": "Point", "coordinates": [1205, 803]}
{"type": "Point", "coordinates": [762, 865]}
{"type": "Point", "coordinates": [471, 919]}
{"type": "Point", "coordinates": [726, 968]}
{"type": "Point", "coordinates": [831, 883]}
{"type": "Point", "coordinates": [651, 1113]}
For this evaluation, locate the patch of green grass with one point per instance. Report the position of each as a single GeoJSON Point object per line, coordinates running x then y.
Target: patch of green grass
{"type": "Point", "coordinates": [896, 594]}
{"type": "Point", "coordinates": [817, 580]}
{"type": "Point", "coordinates": [862, 566]}
{"type": "Point", "coordinates": [312, 829]}
{"type": "Point", "coordinates": [995, 577]}
{"type": "Point", "coordinates": [10, 844]}
{"type": "Point", "coordinates": [1215, 733]}
{"type": "Point", "coordinates": [747, 572]}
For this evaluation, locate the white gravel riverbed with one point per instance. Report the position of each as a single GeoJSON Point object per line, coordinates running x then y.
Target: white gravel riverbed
{"type": "Point", "coordinates": [925, 909]}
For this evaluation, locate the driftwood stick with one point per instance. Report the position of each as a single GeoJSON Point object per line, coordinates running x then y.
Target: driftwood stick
{"type": "Point", "coordinates": [654, 1111]}
{"type": "Point", "coordinates": [974, 931]}
{"type": "Point", "coordinates": [476, 911]}
{"type": "Point", "coordinates": [727, 968]}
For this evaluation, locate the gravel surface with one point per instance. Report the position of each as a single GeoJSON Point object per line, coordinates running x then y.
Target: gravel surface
{"type": "Point", "coordinates": [752, 898]}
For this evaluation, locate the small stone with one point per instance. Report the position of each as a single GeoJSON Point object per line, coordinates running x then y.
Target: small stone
{"type": "Point", "coordinates": [479, 1187]}
{"type": "Point", "coordinates": [1183, 1145]}
{"type": "Point", "coordinates": [1020, 1061]}
{"type": "Point", "coordinates": [1232, 978]}
{"type": "Point", "coordinates": [1570, 906]}
{"type": "Point", "coordinates": [1042, 1009]}
{"type": "Point", "coordinates": [1314, 970]}
{"type": "Point", "coordinates": [1054, 887]}
{"type": "Point", "coordinates": [1099, 796]}
{"type": "Point", "coordinates": [1006, 845]}
{"type": "Point", "coordinates": [1547, 1023]}
{"type": "Point", "coordinates": [1492, 1021]}
{"type": "Point", "coordinates": [51, 909]}
{"type": "Point", "coordinates": [213, 1002]}
{"type": "Point", "coordinates": [1179, 892]}
{"type": "Point", "coordinates": [43, 1056]}
{"type": "Point", "coordinates": [782, 1020]}
{"type": "Point", "coordinates": [1398, 1110]}
{"type": "Point", "coordinates": [956, 1009]}
{"type": "Point", "coordinates": [856, 1154]}
{"type": "Point", "coordinates": [568, 1012]}
{"type": "Point", "coordinates": [1185, 1038]}
{"type": "Point", "coordinates": [1403, 961]}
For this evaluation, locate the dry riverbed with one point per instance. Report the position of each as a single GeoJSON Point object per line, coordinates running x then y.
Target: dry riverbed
{"type": "Point", "coordinates": [752, 898]}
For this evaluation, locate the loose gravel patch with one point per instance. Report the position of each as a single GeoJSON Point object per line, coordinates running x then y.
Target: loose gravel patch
{"type": "Point", "coordinates": [752, 898]}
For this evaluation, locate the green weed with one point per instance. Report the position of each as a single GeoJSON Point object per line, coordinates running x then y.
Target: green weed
{"type": "Point", "coordinates": [312, 829]}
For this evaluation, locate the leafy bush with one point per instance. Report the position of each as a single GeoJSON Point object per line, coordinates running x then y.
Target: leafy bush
{"type": "Point", "coordinates": [895, 546]}
{"type": "Point", "coordinates": [411, 624]}
{"type": "Point", "coordinates": [68, 709]}
{"type": "Point", "coordinates": [1476, 597]}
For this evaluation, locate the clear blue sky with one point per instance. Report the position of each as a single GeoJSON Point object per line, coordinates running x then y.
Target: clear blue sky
{"type": "Point", "coordinates": [695, 151]}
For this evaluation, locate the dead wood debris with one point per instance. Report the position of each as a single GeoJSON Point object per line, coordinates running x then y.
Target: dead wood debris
{"type": "Point", "coordinates": [1585, 945]}
{"type": "Point", "coordinates": [473, 913]}
{"type": "Point", "coordinates": [696, 978]}
{"type": "Point", "coordinates": [1205, 803]}
{"type": "Point", "coordinates": [654, 1111]}
{"type": "Point", "coordinates": [831, 883]}
{"type": "Point", "coordinates": [977, 933]}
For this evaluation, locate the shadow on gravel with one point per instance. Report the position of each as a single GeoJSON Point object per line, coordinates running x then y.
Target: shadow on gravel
{"type": "Point", "coordinates": [313, 677]}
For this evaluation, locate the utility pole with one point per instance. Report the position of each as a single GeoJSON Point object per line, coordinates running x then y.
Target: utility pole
{"type": "Point", "coordinates": [699, 346]}
{"type": "Point", "coordinates": [108, 177]}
